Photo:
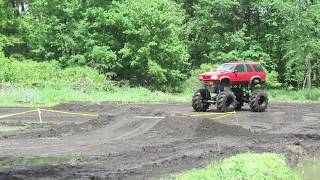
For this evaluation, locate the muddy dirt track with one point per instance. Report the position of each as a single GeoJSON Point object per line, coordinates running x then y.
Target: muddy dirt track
{"type": "Point", "coordinates": [148, 141]}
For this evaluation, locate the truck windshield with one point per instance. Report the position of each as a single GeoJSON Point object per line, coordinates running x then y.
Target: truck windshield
{"type": "Point", "coordinates": [226, 67]}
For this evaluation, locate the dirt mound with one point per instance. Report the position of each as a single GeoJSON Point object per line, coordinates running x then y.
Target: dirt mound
{"type": "Point", "coordinates": [209, 128]}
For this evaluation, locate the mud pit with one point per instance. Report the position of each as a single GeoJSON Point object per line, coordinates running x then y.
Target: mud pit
{"type": "Point", "coordinates": [144, 141]}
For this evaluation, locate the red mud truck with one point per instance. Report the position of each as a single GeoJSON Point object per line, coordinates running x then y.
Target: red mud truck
{"type": "Point", "coordinates": [232, 85]}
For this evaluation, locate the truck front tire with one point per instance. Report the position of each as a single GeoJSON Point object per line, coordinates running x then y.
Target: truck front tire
{"type": "Point", "coordinates": [258, 101]}
{"type": "Point", "coordinates": [198, 98]}
{"type": "Point", "coordinates": [226, 101]}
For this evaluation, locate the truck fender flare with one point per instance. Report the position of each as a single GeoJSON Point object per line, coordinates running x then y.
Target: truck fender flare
{"type": "Point", "coordinates": [225, 77]}
{"type": "Point", "coordinates": [255, 77]}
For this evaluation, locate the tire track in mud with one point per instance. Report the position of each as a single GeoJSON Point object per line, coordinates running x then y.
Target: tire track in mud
{"type": "Point", "coordinates": [122, 145]}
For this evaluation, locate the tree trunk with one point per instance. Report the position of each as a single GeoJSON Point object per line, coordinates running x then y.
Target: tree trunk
{"type": "Point", "coordinates": [304, 82]}
{"type": "Point", "coordinates": [309, 76]}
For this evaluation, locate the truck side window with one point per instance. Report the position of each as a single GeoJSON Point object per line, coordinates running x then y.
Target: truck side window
{"type": "Point", "coordinates": [240, 68]}
{"type": "Point", "coordinates": [248, 68]}
{"type": "Point", "coordinates": [258, 68]}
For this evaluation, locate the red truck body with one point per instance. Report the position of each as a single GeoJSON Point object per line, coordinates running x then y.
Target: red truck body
{"type": "Point", "coordinates": [235, 74]}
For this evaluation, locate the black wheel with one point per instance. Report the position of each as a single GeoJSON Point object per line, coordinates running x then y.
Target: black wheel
{"type": "Point", "coordinates": [226, 101]}
{"type": "Point", "coordinates": [225, 85]}
{"type": "Point", "coordinates": [238, 106]}
{"type": "Point", "coordinates": [255, 82]}
{"type": "Point", "coordinates": [197, 100]}
{"type": "Point", "coordinates": [259, 101]}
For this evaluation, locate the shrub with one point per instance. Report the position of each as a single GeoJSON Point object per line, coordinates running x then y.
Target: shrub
{"type": "Point", "coordinates": [272, 80]}
{"type": "Point", "coordinates": [193, 83]}
{"type": "Point", "coordinates": [30, 73]}
{"type": "Point", "coordinates": [85, 79]}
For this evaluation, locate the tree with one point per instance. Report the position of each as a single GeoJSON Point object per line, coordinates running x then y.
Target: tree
{"type": "Point", "coordinates": [140, 41]}
{"type": "Point", "coordinates": [213, 23]}
{"type": "Point", "coordinates": [151, 49]}
{"type": "Point", "coordinates": [303, 48]}
{"type": "Point", "coordinates": [15, 31]}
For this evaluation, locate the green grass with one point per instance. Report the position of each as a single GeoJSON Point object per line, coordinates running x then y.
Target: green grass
{"type": "Point", "coordinates": [6, 128]}
{"type": "Point", "coordinates": [244, 166]}
{"type": "Point", "coordinates": [49, 96]}
{"type": "Point", "coordinates": [294, 95]}
{"type": "Point", "coordinates": [52, 96]}
{"type": "Point", "coordinates": [29, 83]}
{"type": "Point", "coordinates": [49, 160]}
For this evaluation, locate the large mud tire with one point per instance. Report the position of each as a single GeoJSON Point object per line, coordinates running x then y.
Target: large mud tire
{"type": "Point", "coordinates": [226, 101]}
{"type": "Point", "coordinates": [238, 106]}
{"type": "Point", "coordinates": [197, 100]}
{"type": "Point", "coordinates": [259, 101]}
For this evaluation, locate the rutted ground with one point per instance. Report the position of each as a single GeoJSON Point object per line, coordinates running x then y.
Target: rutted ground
{"type": "Point", "coordinates": [143, 141]}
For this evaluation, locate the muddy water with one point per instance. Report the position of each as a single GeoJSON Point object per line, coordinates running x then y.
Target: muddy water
{"type": "Point", "coordinates": [310, 169]}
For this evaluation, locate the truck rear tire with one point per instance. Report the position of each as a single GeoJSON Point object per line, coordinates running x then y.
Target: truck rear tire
{"type": "Point", "coordinates": [259, 101]}
{"type": "Point", "coordinates": [226, 101]}
{"type": "Point", "coordinates": [197, 100]}
{"type": "Point", "coordinates": [238, 106]}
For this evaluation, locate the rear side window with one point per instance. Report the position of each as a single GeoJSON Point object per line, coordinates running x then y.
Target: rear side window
{"type": "Point", "coordinates": [248, 68]}
{"type": "Point", "coordinates": [258, 67]}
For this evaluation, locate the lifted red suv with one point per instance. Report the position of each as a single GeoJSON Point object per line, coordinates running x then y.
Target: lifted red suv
{"type": "Point", "coordinates": [234, 84]}
{"type": "Point", "coordinates": [236, 73]}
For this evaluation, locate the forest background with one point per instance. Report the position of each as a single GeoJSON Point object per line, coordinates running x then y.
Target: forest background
{"type": "Point", "coordinates": [150, 49]}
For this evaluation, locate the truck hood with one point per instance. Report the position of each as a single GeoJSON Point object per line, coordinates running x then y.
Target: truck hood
{"type": "Point", "coordinates": [207, 75]}
{"type": "Point", "coordinates": [213, 73]}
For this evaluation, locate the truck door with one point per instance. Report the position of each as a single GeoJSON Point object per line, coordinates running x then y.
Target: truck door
{"type": "Point", "coordinates": [249, 72]}
{"type": "Point", "coordinates": [240, 74]}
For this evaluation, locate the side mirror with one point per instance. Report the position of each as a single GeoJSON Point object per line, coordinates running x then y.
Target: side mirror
{"type": "Point", "coordinates": [236, 70]}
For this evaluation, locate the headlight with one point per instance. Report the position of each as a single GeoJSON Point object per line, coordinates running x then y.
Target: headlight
{"type": "Point", "coordinates": [214, 77]}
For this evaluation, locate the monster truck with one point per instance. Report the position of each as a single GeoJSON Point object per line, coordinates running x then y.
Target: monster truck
{"type": "Point", "coordinates": [232, 85]}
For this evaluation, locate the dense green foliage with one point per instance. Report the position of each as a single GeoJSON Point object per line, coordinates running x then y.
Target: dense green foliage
{"type": "Point", "coordinates": [157, 43]}
{"type": "Point", "coordinates": [245, 166]}
{"type": "Point", "coordinates": [50, 74]}
{"type": "Point", "coordinates": [134, 40]}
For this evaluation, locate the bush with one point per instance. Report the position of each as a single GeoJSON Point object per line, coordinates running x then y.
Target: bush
{"type": "Point", "coordinates": [245, 166]}
{"type": "Point", "coordinates": [193, 83]}
{"type": "Point", "coordinates": [85, 79]}
{"type": "Point", "coordinates": [272, 80]}
{"type": "Point", "coordinates": [28, 72]}
{"type": "Point", "coordinates": [31, 73]}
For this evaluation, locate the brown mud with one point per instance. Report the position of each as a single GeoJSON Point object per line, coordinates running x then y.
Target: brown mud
{"type": "Point", "coordinates": [146, 141]}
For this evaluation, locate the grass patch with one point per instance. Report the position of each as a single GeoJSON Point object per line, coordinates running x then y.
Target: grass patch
{"type": "Point", "coordinates": [50, 160]}
{"type": "Point", "coordinates": [295, 95]}
{"type": "Point", "coordinates": [29, 83]}
{"type": "Point", "coordinates": [52, 96]}
{"type": "Point", "coordinates": [49, 96]}
{"type": "Point", "coordinates": [6, 128]}
{"type": "Point", "coordinates": [244, 166]}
